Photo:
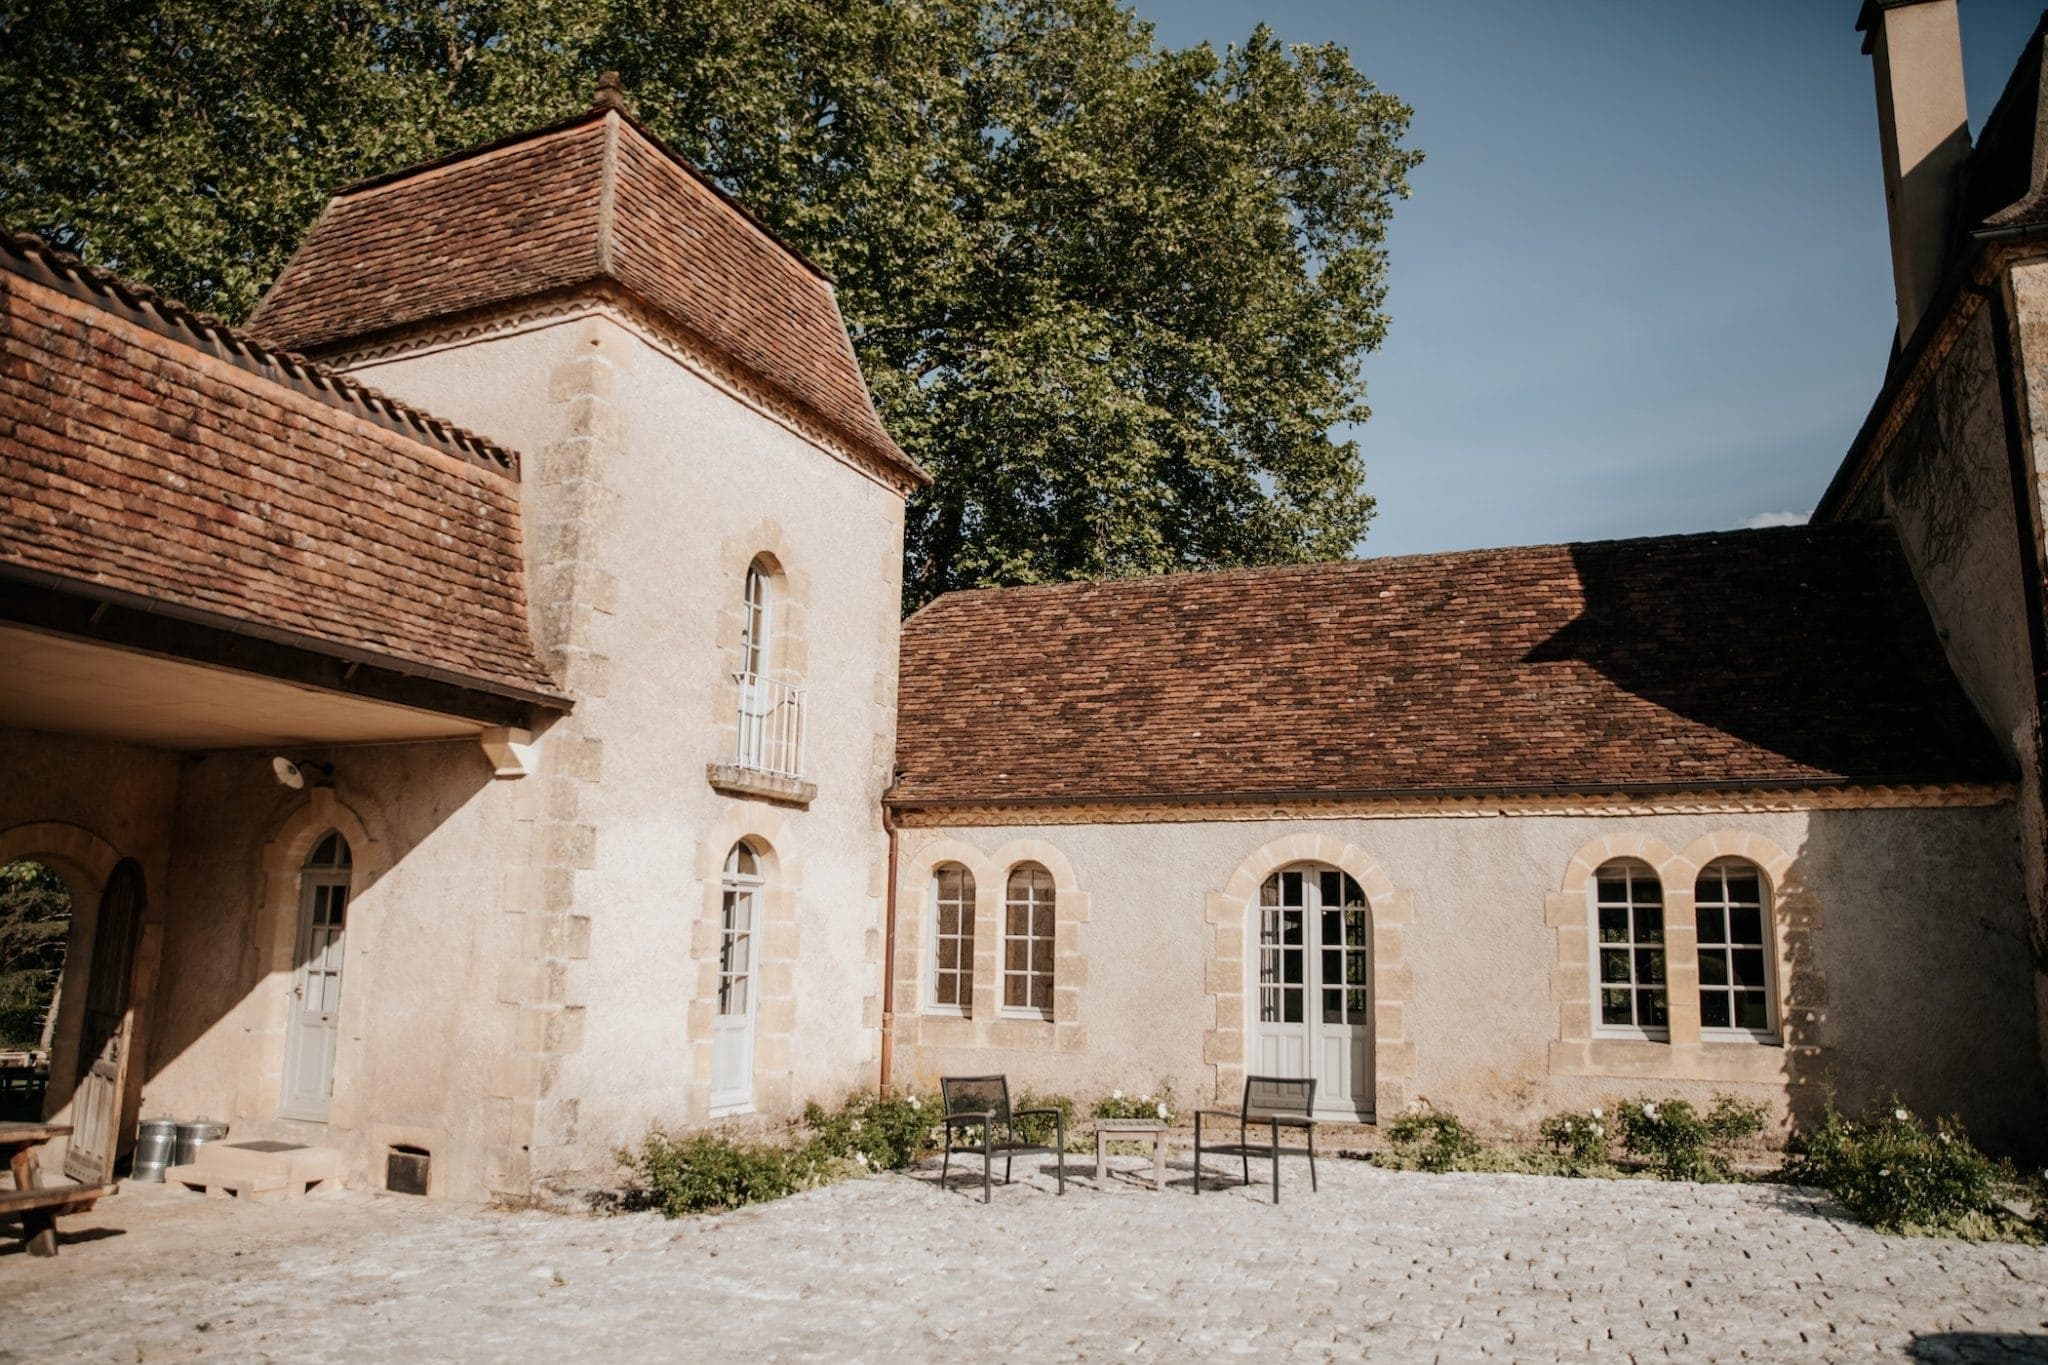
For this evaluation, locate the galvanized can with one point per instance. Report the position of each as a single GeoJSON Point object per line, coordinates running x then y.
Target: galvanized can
{"type": "Point", "coordinates": [156, 1144]}
{"type": "Point", "coordinates": [192, 1136]}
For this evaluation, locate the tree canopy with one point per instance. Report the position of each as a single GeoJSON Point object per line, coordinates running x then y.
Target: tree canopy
{"type": "Point", "coordinates": [1115, 297]}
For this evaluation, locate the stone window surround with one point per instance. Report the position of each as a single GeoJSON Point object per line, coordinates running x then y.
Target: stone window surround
{"type": "Point", "coordinates": [1800, 990]}
{"type": "Point", "coordinates": [984, 1025]}
{"type": "Point", "coordinates": [1389, 912]}
{"type": "Point", "coordinates": [775, 957]}
{"type": "Point", "coordinates": [789, 657]}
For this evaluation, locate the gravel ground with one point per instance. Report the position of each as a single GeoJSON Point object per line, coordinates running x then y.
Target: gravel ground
{"type": "Point", "coordinates": [1395, 1266]}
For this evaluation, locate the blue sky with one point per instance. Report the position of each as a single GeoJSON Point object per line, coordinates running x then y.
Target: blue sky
{"type": "Point", "coordinates": [1642, 284]}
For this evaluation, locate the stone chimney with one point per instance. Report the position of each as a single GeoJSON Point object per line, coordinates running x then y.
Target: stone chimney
{"type": "Point", "coordinates": [1923, 124]}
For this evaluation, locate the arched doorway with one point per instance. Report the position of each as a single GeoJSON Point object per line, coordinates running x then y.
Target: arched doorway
{"type": "Point", "coordinates": [317, 961]}
{"type": "Point", "coordinates": [35, 923]}
{"type": "Point", "coordinates": [732, 1038]}
{"type": "Point", "coordinates": [109, 1027]}
{"type": "Point", "coordinates": [1311, 997]}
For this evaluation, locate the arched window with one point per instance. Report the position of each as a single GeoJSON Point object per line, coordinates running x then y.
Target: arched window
{"type": "Point", "coordinates": [1027, 941]}
{"type": "Point", "coordinates": [1628, 949]}
{"type": "Point", "coordinates": [756, 633]}
{"type": "Point", "coordinates": [952, 936]}
{"type": "Point", "coordinates": [1732, 906]}
{"type": "Point", "coordinates": [732, 1033]}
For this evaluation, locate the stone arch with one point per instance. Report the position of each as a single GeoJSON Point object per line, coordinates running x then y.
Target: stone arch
{"type": "Point", "coordinates": [1578, 873]}
{"type": "Point", "coordinates": [84, 861]}
{"type": "Point", "coordinates": [913, 917]}
{"type": "Point", "coordinates": [1070, 912]}
{"type": "Point", "coordinates": [1391, 911]}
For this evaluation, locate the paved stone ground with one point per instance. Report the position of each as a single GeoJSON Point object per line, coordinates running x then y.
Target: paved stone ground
{"type": "Point", "coordinates": [1394, 1266]}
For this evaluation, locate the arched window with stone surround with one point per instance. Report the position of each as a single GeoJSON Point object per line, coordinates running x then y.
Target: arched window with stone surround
{"type": "Point", "coordinates": [951, 972]}
{"type": "Point", "coordinates": [1732, 907]}
{"type": "Point", "coordinates": [771, 700]}
{"type": "Point", "coordinates": [1028, 905]}
{"type": "Point", "coordinates": [1627, 909]}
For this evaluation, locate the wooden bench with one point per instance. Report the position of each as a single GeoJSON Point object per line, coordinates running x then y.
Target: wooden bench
{"type": "Point", "coordinates": [40, 1208]}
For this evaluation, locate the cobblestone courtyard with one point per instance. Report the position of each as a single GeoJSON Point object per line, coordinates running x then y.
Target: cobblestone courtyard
{"type": "Point", "coordinates": [1398, 1267]}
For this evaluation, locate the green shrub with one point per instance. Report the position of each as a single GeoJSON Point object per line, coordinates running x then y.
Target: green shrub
{"type": "Point", "coordinates": [1580, 1142]}
{"type": "Point", "coordinates": [1117, 1105]}
{"type": "Point", "coordinates": [1899, 1175]}
{"type": "Point", "coordinates": [1040, 1132]}
{"type": "Point", "coordinates": [1682, 1144]}
{"type": "Point", "coordinates": [880, 1133]}
{"type": "Point", "coordinates": [708, 1172]}
{"type": "Point", "coordinates": [1432, 1140]}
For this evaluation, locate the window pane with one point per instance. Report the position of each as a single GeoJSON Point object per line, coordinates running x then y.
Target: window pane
{"type": "Point", "coordinates": [1291, 926]}
{"type": "Point", "coordinates": [1333, 1007]}
{"type": "Point", "coordinates": [1291, 966]}
{"type": "Point", "coordinates": [1291, 1007]}
{"type": "Point", "coordinates": [1714, 1009]}
{"type": "Point", "coordinates": [1614, 964]}
{"type": "Point", "coordinates": [1614, 924]}
{"type": "Point", "coordinates": [1041, 921]}
{"type": "Point", "coordinates": [1649, 924]}
{"type": "Point", "coordinates": [1709, 921]}
{"type": "Point", "coordinates": [1647, 891]}
{"type": "Point", "coordinates": [1614, 1008]}
{"type": "Point", "coordinates": [1745, 925]}
{"type": "Point", "coordinates": [1017, 954]}
{"type": "Point", "coordinates": [1745, 890]}
{"type": "Point", "coordinates": [1613, 890]}
{"type": "Point", "coordinates": [1041, 955]}
{"type": "Point", "coordinates": [1751, 1012]}
{"type": "Point", "coordinates": [1269, 894]}
{"type": "Point", "coordinates": [1291, 888]}
{"type": "Point", "coordinates": [1749, 967]}
{"type": "Point", "coordinates": [1650, 1009]}
{"type": "Point", "coordinates": [1356, 1001]}
{"type": "Point", "coordinates": [1331, 887]}
{"type": "Point", "coordinates": [1019, 920]}
{"type": "Point", "coordinates": [1014, 991]}
{"type": "Point", "coordinates": [949, 954]}
{"type": "Point", "coordinates": [945, 990]}
{"type": "Point", "coordinates": [1714, 968]}
{"type": "Point", "coordinates": [1650, 966]}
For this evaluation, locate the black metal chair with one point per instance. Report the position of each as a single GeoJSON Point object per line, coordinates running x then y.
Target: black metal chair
{"type": "Point", "coordinates": [1277, 1101]}
{"type": "Point", "coordinates": [984, 1102]}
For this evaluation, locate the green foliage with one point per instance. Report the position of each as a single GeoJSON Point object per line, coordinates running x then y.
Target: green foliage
{"type": "Point", "coordinates": [873, 1132]}
{"type": "Point", "coordinates": [1682, 1144]}
{"type": "Point", "coordinates": [1433, 1140]}
{"type": "Point", "coordinates": [1114, 296]}
{"type": "Point", "coordinates": [1118, 1105]}
{"type": "Point", "coordinates": [710, 1172]}
{"type": "Point", "coordinates": [1579, 1142]}
{"type": "Point", "coordinates": [1898, 1174]}
{"type": "Point", "coordinates": [35, 917]}
{"type": "Point", "coordinates": [1041, 1132]}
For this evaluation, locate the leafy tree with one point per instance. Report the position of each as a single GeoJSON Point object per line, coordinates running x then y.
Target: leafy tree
{"type": "Point", "coordinates": [1114, 296]}
{"type": "Point", "coordinates": [35, 916]}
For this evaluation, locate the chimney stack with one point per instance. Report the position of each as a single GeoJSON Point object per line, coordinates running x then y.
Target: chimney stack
{"type": "Point", "coordinates": [1923, 124]}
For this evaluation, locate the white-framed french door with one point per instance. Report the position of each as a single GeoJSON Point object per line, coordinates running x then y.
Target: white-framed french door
{"type": "Point", "coordinates": [732, 1031]}
{"type": "Point", "coordinates": [318, 955]}
{"type": "Point", "coordinates": [1311, 1000]}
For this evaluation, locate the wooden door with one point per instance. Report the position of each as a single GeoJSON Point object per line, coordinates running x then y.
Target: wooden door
{"type": "Point", "coordinates": [1312, 1013]}
{"type": "Point", "coordinates": [317, 961]}
{"type": "Point", "coordinates": [108, 1028]}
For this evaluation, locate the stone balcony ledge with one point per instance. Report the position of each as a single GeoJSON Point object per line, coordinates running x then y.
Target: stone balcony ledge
{"type": "Point", "coordinates": [734, 780]}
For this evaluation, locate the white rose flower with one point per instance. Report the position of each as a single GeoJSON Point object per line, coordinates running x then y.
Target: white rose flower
{"type": "Point", "coordinates": [1884, 1171]}
{"type": "Point", "coordinates": [1162, 1111]}
{"type": "Point", "coordinates": [1944, 1137]}
{"type": "Point", "coordinates": [1650, 1111]}
{"type": "Point", "coordinates": [1900, 1115]}
{"type": "Point", "coordinates": [1116, 1094]}
{"type": "Point", "coordinates": [1596, 1114]}
{"type": "Point", "coordinates": [913, 1103]}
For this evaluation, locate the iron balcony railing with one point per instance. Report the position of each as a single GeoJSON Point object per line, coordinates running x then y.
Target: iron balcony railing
{"type": "Point", "coordinates": [771, 734]}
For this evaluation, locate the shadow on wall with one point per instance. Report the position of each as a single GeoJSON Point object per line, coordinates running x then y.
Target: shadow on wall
{"type": "Point", "coordinates": [1905, 936]}
{"type": "Point", "coordinates": [1954, 1347]}
{"type": "Point", "coordinates": [1810, 643]}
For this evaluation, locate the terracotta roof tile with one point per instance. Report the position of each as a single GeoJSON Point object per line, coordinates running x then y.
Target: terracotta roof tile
{"type": "Point", "coordinates": [1782, 657]}
{"type": "Point", "coordinates": [147, 451]}
{"type": "Point", "coordinates": [564, 207]}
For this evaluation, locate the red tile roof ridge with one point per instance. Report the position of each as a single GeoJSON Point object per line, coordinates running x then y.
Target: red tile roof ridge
{"type": "Point", "coordinates": [172, 317]}
{"type": "Point", "coordinates": [525, 137]}
{"type": "Point", "coordinates": [1364, 563]}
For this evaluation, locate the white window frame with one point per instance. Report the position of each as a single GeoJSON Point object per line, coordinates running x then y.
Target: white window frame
{"type": "Point", "coordinates": [964, 971]}
{"type": "Point", "coordinates": [757, 628]}
{"type": "Point", "coordinates": [1733, 1033]}
{"type": "Point", "coordinates": [1637, 871]}
{"type": "Point", "coordinates": [1031, 939]}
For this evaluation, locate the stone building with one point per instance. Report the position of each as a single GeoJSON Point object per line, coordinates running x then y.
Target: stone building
{"type": "Point", "coordinates": [464, 706]}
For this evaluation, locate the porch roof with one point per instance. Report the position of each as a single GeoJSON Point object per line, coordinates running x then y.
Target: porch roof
{"type": "Point", "coordinates": [174, 488]}
{"type": "Point", "coordinates": [1798, 657]}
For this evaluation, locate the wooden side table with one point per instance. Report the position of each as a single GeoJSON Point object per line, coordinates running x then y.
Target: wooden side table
{"type": "Point", "coordinates": [1125, 1130]}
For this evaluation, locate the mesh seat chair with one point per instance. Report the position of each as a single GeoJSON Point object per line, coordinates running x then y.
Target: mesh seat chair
{"type": "Point", "coordinates": [984, 1102]}
{"type": "Point", "coordinates": [1276, 1101]}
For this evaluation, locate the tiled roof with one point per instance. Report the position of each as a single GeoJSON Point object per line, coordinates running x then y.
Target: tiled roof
{"type": "Point", "coordinates": [596, 199]}
{"type": "Point", "coordinates": [153, 453]}
{"type": "Point", "coordinates": [1771, 658]}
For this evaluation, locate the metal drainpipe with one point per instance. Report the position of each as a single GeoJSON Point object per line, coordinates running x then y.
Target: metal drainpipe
{"type": "Point", "coordinates": [889, 954]}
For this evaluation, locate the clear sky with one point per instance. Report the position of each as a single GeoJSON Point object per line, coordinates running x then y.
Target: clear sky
{"type": "Point", "coordinates": [1642, 284]}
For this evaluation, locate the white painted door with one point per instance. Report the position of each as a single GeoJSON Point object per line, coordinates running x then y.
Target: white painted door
{"type": "Point", "coordinates": [1312, 1010]}
{"type": "Point", "coordinates": [317, 960]}
{"type": "Point", "coordinates": [732, 1038]}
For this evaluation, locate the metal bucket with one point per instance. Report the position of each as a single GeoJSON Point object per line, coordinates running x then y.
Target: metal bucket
{"type": "Point", "coordinates": [192, 1136]}
{"type": "Point", "coordinates": [156, 1144]}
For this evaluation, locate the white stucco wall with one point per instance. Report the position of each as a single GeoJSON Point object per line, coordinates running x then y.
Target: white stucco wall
{"type": "Point", "coordinates": [1906, 971]}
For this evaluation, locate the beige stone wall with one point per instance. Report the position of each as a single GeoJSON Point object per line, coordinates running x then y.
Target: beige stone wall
{"type": "Point", "coordinates": [1897, 934]}
{"type": "Point", "coordinates": [649, 490]}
